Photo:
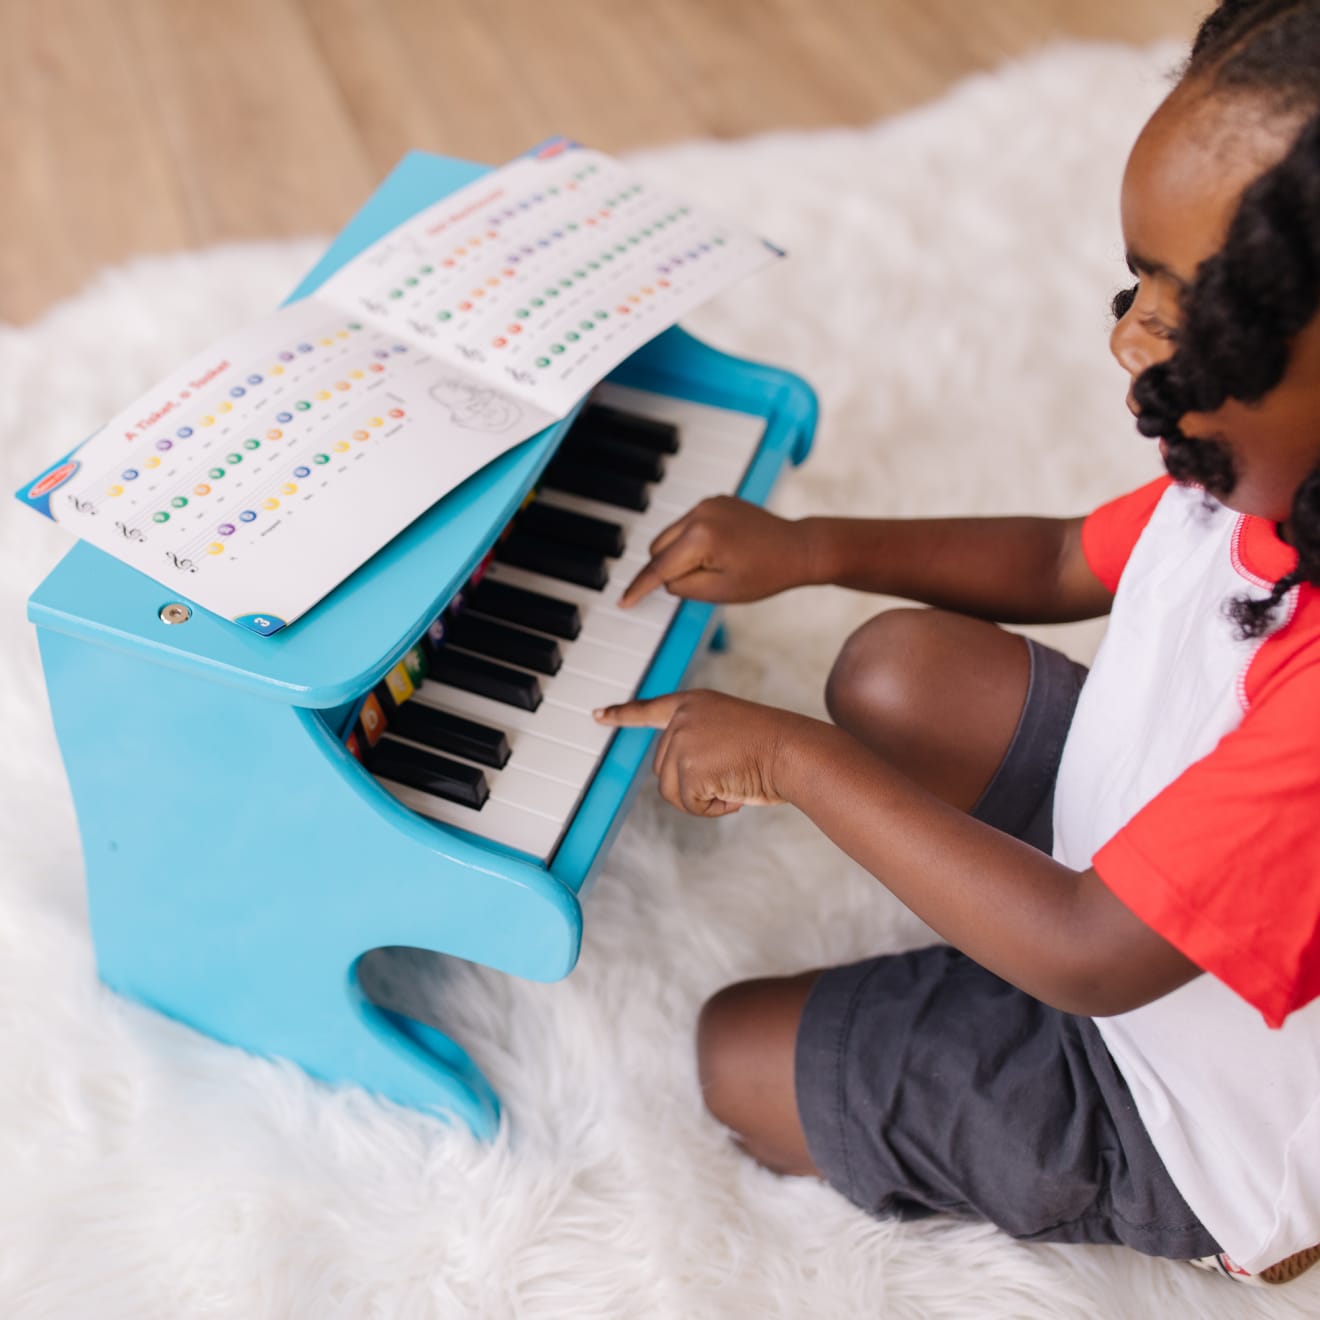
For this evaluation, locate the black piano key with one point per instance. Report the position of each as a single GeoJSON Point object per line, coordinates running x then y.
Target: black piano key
{"type": "Point", "coordinates": [528, 609]}
{"type": "Point", "coordinates": [555, 524]}
{"type": "Point", "coordinates": [621, 456]}
{"type": "Point", "coordinates": [486, 678]}
{"type": "Point", "coordinates": [601, 419]}
{"type": "Point", "coordinates": [595, 483]}
{"type": "Point", "coordinates": [565, 562]}
{"type": "Point", "coordinates": [500, 642]}
{"type": "Point", "coordinates": [437, 775]}
{"type": "Point", "coordinates": [451, 733]}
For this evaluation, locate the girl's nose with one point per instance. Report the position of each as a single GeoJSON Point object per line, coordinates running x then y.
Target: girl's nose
{"type": "Point", "coordinates": [1130, 345]}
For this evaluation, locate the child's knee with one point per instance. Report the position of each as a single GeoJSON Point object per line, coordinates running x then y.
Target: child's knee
{"type": "Point", "coordinates": [878, 673]}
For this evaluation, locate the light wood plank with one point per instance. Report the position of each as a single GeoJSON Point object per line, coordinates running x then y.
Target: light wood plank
{"type": "Point", "coordinates": [132, 126]}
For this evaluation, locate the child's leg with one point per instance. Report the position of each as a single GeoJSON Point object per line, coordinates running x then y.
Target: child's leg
{"type": "Point", "coordinates": [939, 695]}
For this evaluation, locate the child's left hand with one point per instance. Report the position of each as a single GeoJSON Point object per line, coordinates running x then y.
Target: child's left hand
{"type": "Point", "coordinates": [716, 754]}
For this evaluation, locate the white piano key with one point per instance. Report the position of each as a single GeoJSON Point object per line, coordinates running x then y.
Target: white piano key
{"type": "Point", "coordinates": [623, 669]}
{"type": "Point", "coordinates": [570, 765]}
{"type": "Point", "coordinates": [614, 629]}
{"type": "Point", "coordinates": [580, 692]}
{"type": "Point", "coordinates": [515, 827]}
{"type": "Point", "coordinates": [555, 722]}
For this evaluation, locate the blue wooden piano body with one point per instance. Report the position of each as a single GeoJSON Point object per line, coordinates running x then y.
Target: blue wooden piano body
{"type": "Point", "coordinates": [240, 862]}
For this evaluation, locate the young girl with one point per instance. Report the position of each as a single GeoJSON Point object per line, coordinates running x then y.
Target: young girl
{"type": "Point", "coordinates": [1122, 1043]}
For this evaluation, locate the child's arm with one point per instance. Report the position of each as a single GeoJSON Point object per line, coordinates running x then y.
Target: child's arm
{"type": "Point", "coordinates": [1011, 570]}
{"type": "Point", "coordinates": [1058, 934]}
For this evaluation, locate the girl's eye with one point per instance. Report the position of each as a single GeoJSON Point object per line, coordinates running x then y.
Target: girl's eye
{"type": "Point", "coordinates": [1159, 330]}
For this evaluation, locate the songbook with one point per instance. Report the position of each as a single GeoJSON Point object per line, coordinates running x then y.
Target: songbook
{"type": "Point", "coordinates": [262, 472]}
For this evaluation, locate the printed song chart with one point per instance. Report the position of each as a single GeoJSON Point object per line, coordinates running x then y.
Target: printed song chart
{"type": "Point", "coordinates": [262, 472]}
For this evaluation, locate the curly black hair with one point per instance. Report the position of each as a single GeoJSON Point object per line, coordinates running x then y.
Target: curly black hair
{"type": "Point", "coordinates": [1250, 299]}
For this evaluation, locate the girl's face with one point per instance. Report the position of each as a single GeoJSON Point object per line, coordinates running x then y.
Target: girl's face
{"type": "Point", "coordinates": [1180, 190]}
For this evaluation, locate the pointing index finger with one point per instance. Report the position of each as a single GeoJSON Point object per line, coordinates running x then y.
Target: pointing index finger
{"type": "Point", "coordinates": [653, 713]}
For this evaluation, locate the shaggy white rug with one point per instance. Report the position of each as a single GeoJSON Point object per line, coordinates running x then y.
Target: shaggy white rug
{"type": "Point", "coordinates": [947, 295]}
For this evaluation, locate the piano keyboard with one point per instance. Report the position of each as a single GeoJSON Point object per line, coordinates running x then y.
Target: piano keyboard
{"type": "Point", "coordinates": [486, 725]}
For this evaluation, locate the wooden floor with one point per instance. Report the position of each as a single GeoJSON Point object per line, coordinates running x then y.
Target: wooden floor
{"type": "Point", "coordinates": [132, 126]}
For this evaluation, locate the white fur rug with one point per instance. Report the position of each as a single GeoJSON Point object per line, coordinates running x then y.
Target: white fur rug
{"type": "Point", "coordinates": [947, 295]}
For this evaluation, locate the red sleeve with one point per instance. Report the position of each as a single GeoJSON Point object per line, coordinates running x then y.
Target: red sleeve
{"type": "Point", "coordinates": [1109, 533]}
{"type": "Point", "coordinates": [1225, 862]}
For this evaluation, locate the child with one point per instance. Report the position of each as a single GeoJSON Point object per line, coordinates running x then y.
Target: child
{"type": "Point", "coordinates": [1122, 1043]}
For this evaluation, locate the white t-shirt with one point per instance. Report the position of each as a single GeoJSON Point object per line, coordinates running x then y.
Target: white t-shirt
{"type": "Point", "coordinates": [1190, 780]}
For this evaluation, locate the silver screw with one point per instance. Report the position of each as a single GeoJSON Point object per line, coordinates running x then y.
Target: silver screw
{"type": "Point", "coordinates": [175, 613]}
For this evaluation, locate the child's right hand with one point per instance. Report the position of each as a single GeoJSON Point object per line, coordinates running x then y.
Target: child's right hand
{"type": "Point", "coordinates": [724, 550]}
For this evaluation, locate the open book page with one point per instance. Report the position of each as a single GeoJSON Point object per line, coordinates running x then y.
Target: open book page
{"type": "Point", "coordinates": [265, 470]}
{"type": "Point", "coordinates": [543, 276]}
{"type": "Point", "coordinates": [262, 472]}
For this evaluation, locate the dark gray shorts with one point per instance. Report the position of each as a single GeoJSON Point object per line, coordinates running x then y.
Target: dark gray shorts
{"type": "Point", "coordinates": [927, 1085]}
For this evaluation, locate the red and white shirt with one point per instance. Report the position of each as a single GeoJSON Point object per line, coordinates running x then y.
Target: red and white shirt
{"type": "Point", "coordinates": [1190, 780]}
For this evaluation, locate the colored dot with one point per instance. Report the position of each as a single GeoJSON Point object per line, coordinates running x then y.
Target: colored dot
{"type": "Point", "coordinates": [320, 458]}
{"type": "Point", "coordinates": [152, 462]}
{"type": "Point", "coordinates": [552, 293]}
{"type": "Point", "coordinates": [356, 375]}
{"type": "Point", "coordinates": [664, 284]}
{"type": "Point", "coordinates": [178, 502]}
{"type": "Point", "coordinates": [302, 405]}
{"type": "Point", "coordinates": [523, 313]}
{"type": "Point", "coordinates": [509, 274]}
{"type": "Point", "coordinates": [448, 261]}
{"type": "Point", "coordinates": [426, 270]}
{"type": "Point", "coordinates": [216, 474]}
{"type": "Point", "coordinates": [538, 302]}
{"type": "Point", "coordinates": [342, 385]}
{"type": "Point", "coordinates": [254, 380]}
{"type": "Point", "coordinates": [164, 445]}
{"type": "Point", "coordinates": [572, 336]}
{"type": "Point", "coordinates": [302, 471]}
{"type": "Point", "coordinates": [226, 529]}
{"type": "Point", "coordinates": [289, 488]}
{"type": "Point", "coordinates": [233, 458]}
{"type": "Point", "coordinates": [237, 392]}
{"type": "Point", "coordinates": [478, 293]}
{"type": "Point", "coordinates": [269, 503]}
{"type": "Point", "coordinates": [251, 444]}
{"type": "Point", "coordinates": [556, 348]}
{"type": "Point", "coordinates": [607, 256]}
{"type": "Point", "coordinates": [208, 421]}
{"type": "Point", "coordinates": [161, 517]}
{"type": "Point", "coordinates": [201, 489]}
{"type": "Point", "coordinates": [340, 446]}
{"type": "Point", "coordinates": [129, 474]}
{"type": "Point", "coordinates": [323, 395]}
{"type": "Point", "coordinates": [515, 329]}
{"type": "Point", "coordinates": [585, 325]}
{"type": "Point", "coordinates": [382, 352]}
{"type": "Point", "coordinates": [543, 362]}
{"type": "Point", "coordinates": [396, 293]}
{"type": "Point", "coordinates": [304, 348]}
{"type": "Point", "coordinates": [376, 421]}
{"type": "Point", "coordinates": [375, 366]}
{"type": "Point", "coordinates": [215, 548]}
{"type": "Point", "coordinates": [396, 412]}
{"type": "Point", "coordinates": [115, 490]}
{"type": "Point", "coordinates": [444, 316]}
{"type": "Point", "coordinates": [274, 433]}
{"type": "Point", "coordinates": [247, 516]}
{"type": "Point", "coordinates": [593, 265]}
{"type": "Point", "coordinates": [361, 435]}
{"type": "Point", "coordinates": [493, 281]}
{"type": "Point", "coordinates": [326, 342]}
{"type": "Point", "coordinates": [499, 342]}
{"type": "Point", "coordinates": [465, 306]}
{"type": "Point", "coordinates": [411, 281]}
{"type": "Point", "coordinates": [277, 371]}
{"type": "Point", "coordinates": [624, 309]}
{"type": "Point", "coordinates": [286, 357]}
{"type": "Point", "coordinates": [602, 315]}
{"type": "Point", "coordinates": [355, 325]}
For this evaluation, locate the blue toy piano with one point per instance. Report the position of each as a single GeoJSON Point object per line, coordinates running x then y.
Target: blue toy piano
{"type": "Point", "coordinates": [413, 762]}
